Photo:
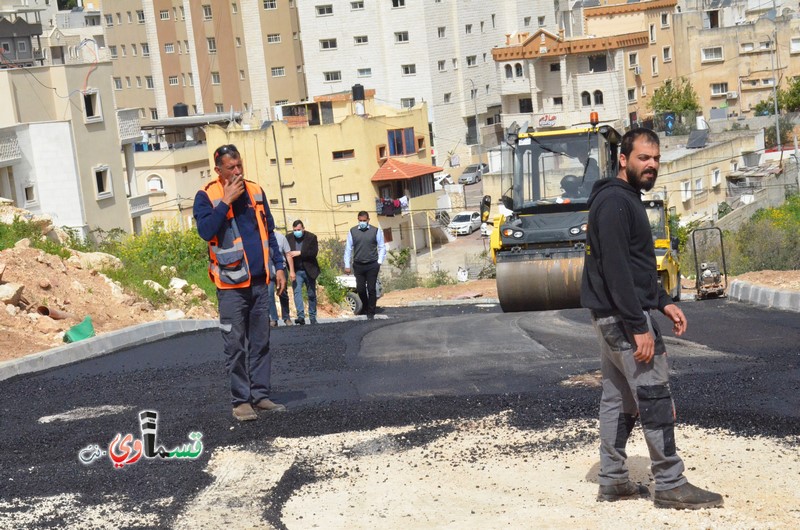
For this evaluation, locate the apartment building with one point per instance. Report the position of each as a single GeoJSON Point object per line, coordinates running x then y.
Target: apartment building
{"type": "Point", "coordinates": [20, 34]}
{"type": "Point", "coordinates": [213, 56]}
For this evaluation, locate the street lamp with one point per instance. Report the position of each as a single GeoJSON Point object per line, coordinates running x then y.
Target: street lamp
{"type": "Point", "coordinates": [474, 94]}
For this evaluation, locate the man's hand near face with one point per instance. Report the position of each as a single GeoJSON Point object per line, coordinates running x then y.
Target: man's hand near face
{"type": "Point", "coordinates": [232, 189]}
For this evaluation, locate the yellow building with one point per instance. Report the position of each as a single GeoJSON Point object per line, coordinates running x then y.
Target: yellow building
{"type": "Point", "coordinates": [328, 160]}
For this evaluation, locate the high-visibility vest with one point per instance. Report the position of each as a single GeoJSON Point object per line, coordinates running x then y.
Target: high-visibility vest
{"type": "Point", "coordinates": [228, 267]}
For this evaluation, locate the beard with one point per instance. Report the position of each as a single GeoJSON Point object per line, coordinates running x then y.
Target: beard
{"type": "Point", "coordinates": [639, 180]}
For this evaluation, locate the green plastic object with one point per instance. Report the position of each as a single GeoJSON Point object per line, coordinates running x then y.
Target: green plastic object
{"type": "Point", "coordinates": [81, 331]}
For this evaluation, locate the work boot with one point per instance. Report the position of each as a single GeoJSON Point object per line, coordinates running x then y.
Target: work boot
{"type": "Point", "coordinates": [622, 492]}
{"type": "Point", "coordinates": [270, 406]}
{"type": "Point", "coordinates": [687, 497]}
{"type": "Point", "coordinates": [273, 323]}
{"type": "Point", "coordinates": [313, 320]}
{"type": "Point", "coordinates": [300, 321]}
{"type": "Point", "coordinates": [244, 412]}
{"type": "Point", "coordinates": [288, 321]}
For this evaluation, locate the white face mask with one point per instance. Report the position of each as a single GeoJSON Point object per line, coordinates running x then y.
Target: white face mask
{"type": "Point", "coordinates": [363, 225]}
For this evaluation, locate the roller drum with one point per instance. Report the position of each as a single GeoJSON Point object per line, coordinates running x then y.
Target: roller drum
{"type": "Point", "coordinates": [539, 284]}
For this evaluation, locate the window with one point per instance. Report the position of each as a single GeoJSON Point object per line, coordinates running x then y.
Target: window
{"type": "Point", "coordinates": [409, 69]}
{"type": "Point", "coordinates": [145, 49]}
{"type": "Point", "coordinates": [446, 98]}
{"type": "Point", "coordinates": [518, 70]}
{"type": "Point", "coordinates": [654, 65]}
{"type": "Point", "coordinates": [30, 195]}
{"type": "Point", "coordinates": [401, 36]}
{"type": "Point", "coordinates": [148, 81]}
{"type": "Point", "coordinates": [652, 33]}
{"type": "Point", "coordinates": [6, 47]}
{"type": "Point", "coordinates": [287, 161]}
{"type": "Point", "coordinates": [347, 197]}
{"type": "Point", "coordinates": [235, 8]}
{"type": "Point", "coordinates": [118, 83]}
{"type": "Point", "coordinates": [698, 186]}
{"type": "Point", "coordinates": [211, 42]}
{"type": "Point", "coordinates": [509, 71]}
{"type": "Point", "coordinates": [218, 107]}
{"type": "Point", "coordinates": [597, 63]}
{"type": "Point", "coordinates": [332, 76]}
{"type": "Point", "coordinates": [341, 155]}
{"type": "Point", "coordinates": [526, 21]}
{"type": "Point", "coordinates": [134, 50]}
{"type": "Point", "coordinates": [398, 3]}
{"type": "Point", "coordinates": [91, 106]}
{"type": "Point", "coordinates": [207, 15]}
{"type": "Point", "coordinates": [214, 78]}
{"type": "Point", "coordinates": [643, 90]}
{"type": "Point", "coordinates": [468, 29]}
{"type": "Point", "coordinates": [401, 141]}
{"type": "Point", "coordinates": [443, 66]}
{"type": "Point", "coordinates": [130, 18]}
{"type": "Point", "coordinates": [270, 4]}
{"type": "Point", "coordinates": [358, 40]}
{"type": "Point", "coordinates": [586, 99]}
{"type": "Point", "coordinates": [558, 101]}
{"type": "Point", "coordinates": [711, 54]}
{"type": "Point", "coordinates": [473, 93]}
{"type": "Point", "coordinates": [191, 79]}
{"type": "Point", "coordinates": [686, 190]}
{"type": "Point", "coordinates": [664, 20]}
{"type": "Point", "coordinates": [173, 80]}
{"type": "Point", "coordinates": [472, 60]}
{"type": "Point", "coordinates": [441, 30]}
{"type": "Point", "coordinates": [357, 6]}
{"type": "Point", "coordinates": [631, 94]}
{"type": "Point", "coordinates": [525, 105]}
{"type": "Point", "coordinates": [555, 67]}
{"type": "Point", "coordinates": [407, 103]}
{"type": "Point", "coordinates": [164, 14]}
{"type": "Point", "coordinates": [122, 48]}
{"type": "Point", "coordinates": [238, 42]}
{"type": "Point", "coordinates": [794, 46]}
{"type": "Point", "coordinates": [183, 79]}
{"type": "Point", "coordinates": [633, 59]}
{"type": "Point", "coordinates": [169, 47]}
{"type": "Point", "coordinates": [127, 82]}
{"type": "Point", "coordinates": [365, 72]}
{"type": "Point", "coordinates": [273, 38]}
{"type": "Point", "coordinates": [102, 181]}
{"type": "Point", "coordinates": [138, 82]}
{"type": "Point", "coordinates": [241, 75]}
{"type": "Point", "coordinates": [153, 114]}
{"type": "Point", "coordinates": [666, 54]}
{"type": "Point", "coordinates": [327, 44]}
{"type": "Point", "coordinates": [715, 177]}
{"type": "Point", "coordinates": [746, 47]}
{"type": "Point", "coordinates": [278, 71]}
{"type": "Point", "coordinates": [719, 89]}
{"type": "Point", "coordinates": [119, 19]}
{"type": "Point", "coordinates": [598, 97]}
{"type": "Point", "coordinates": [541, 21]}
{"type": "Point", "coordinates": [155, 183]}
{"type": "Point", "coordinates": [113, 51]}
{"type": "Point", "coordinates": [455, 64]}
{"type": "Point", "coordinates": [325, 11]}
{"type": "Point", "coordinates": [109, 20]}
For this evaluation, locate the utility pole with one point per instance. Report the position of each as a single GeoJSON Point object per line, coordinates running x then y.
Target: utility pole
{"type": "Point", "coordinates": [774, 81]}
{"type": "Point", "coordinates": [474, 95]}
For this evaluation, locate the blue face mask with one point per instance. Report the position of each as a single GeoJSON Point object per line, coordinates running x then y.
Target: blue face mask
{"type": "Point", "coordinates": [363, 225]}
{"type": "Point", "coordinates": [298, 234]}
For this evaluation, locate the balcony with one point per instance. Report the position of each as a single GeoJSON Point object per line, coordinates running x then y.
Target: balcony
{"type": "Point", "coordinates": [129, 129]}
{"type": "Point", "coordinates": [9, 148]}
{"type": "Point", "coordinates": [139, 205]}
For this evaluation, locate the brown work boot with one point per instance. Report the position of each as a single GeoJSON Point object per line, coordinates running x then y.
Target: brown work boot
{"type": "Point", "coordinates": [244, 412]}
{"type": "Point", "coordinates": [622, 492]}
{"type": "Point", "coordinates": [288, 321]}
{"type": "Point", "coordinates": [270, 406]}
{"type": "Point", "coordinates": [687, 497]}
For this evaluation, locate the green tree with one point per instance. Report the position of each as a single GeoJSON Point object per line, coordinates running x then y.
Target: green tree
{"type": "Point", "coordinates": [786, 132]}
{"type": "Point", "coordinates": [675, 96]}
{"type": "Point", "coordinates": [67, 4]}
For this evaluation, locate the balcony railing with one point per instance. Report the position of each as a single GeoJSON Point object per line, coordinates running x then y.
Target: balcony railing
{"type": "Point", "coordinates": [9, 148]}
{"type": "Point", "coordinates": [129, 128]}
{"type": "Point", "coordinates": [139, 205]}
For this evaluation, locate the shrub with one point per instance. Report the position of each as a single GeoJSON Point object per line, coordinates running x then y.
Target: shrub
{"type": "Point", "coordinates": [21, 229]}
{"type": "Point", "coordinates": [438, 278]}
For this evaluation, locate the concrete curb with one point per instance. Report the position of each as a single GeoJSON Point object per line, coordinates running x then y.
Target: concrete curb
{"type": "Point", "coordinates": [747, 292]}
{"type": "Point", "coordinates": [101, 345]}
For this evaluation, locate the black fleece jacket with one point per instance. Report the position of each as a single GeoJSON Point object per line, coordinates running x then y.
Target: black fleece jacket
{"type": "Point", "coordinates": [619, 272]}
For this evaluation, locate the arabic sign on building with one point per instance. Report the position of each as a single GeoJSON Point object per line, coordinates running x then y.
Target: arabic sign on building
{"type": "Point", "coordinates": [125, 450]}
{"type": "Point", "coordinates": [547, 120]}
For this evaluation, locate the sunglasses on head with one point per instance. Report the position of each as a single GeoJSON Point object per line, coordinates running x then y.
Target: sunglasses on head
{"type": "Point", "coordinates": [224, 150]}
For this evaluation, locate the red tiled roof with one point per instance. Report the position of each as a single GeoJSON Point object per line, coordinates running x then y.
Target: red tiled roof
{"type": "Point", "coordinates": [395, 170]}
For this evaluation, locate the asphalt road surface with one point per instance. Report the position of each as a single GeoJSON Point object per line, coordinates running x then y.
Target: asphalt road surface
{"type": "Point", "coordinates": [737, 368]}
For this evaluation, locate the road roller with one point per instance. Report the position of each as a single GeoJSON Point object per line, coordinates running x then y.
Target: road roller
{"type": "Point", "coordinates": [538, 248]}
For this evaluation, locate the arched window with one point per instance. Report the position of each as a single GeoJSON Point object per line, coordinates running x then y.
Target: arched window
{"type": "Point", "coordinates": [154, 183]}
{"type": "Point", "coordinates": [509, 71]}
{"type": "Point", "coordinates": [586, 99]}
{"type": "Point", "coordinates": [598, 97]}
{"type": "Point", "coordinates": [518, 69]}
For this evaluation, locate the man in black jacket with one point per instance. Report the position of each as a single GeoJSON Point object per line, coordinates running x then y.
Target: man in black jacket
{"type": "Point", "coordinates": [304, 251]}
{"type": "Point", "coordinates": [620, 287]}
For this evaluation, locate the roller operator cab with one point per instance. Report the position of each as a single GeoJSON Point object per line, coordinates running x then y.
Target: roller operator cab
{"type": "Point", "coordinates": [539, 248]}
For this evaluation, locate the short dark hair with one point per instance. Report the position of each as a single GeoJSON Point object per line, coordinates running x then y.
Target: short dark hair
{"type": "Point", "coordinates": [298, 222]}
{"type": "Point", "coordinates": [363, 213]}
{"type": "Point", "coordinates": [227, 149]}
{"type": "Point", "coordinates": [626, 146]}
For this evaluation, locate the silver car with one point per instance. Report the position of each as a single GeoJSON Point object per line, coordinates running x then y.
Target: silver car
{"type": "Point", "coordinates": [473, 173]}
{"type": "Point", "coordinates": [465, 223]}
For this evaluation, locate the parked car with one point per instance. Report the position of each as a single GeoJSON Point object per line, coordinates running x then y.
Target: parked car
{"type": "Point", "coordinates": [348, 281]}
{"type": "Point", "coordinates": [465, 223]}
{"type": "Point", "coordinates": [473, 173]}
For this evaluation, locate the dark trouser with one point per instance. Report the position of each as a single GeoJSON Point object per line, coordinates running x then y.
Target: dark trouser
{"type": "Point", "coordinates": [631, 388]}
{"type": "Point", "coordinates": [302, 277]}
{"type": "Point", "coordinates": [244, 321]}
{"type": "Point", "coordinates": [284, 299]}
{"type": "Point", "coordinates": [366, 277]}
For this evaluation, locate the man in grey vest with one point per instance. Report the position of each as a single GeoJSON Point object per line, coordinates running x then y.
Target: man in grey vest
{"type": "Point", "coordinates": [366, 250]}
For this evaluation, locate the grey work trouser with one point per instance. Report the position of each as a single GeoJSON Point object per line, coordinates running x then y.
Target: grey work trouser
{"type": "Point", "coordinates": [631, 388]}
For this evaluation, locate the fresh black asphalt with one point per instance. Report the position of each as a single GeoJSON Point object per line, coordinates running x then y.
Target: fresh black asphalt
{"type": "Point", "coordinates": [415, 366]}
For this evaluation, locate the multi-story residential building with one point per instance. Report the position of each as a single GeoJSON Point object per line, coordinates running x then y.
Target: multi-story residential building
{"type": "Point", "coordinates": [213, 56]}
{"type": "Point", "coordinates": [20, 34]}
{"type": "Point", "coordinates": [410, 51]}
{"type": "Point", "coordinates": [60, 140]}
{"type": "Point", "coordinates": [337, 157]}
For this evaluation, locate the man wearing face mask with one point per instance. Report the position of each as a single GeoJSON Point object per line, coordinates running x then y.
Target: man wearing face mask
{"type": "Point", "coordinates": [366, 250]}
{"type": "Point", "coordinates": [304, 248]}
{"type": "Point", "coordinates": [620, 287]}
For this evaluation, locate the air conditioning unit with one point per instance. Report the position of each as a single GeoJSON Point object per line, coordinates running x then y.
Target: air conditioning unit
{"type": "Point", "coordinates": [637, 70]}
{"type": "Point", "coordinates": [732, 95]}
